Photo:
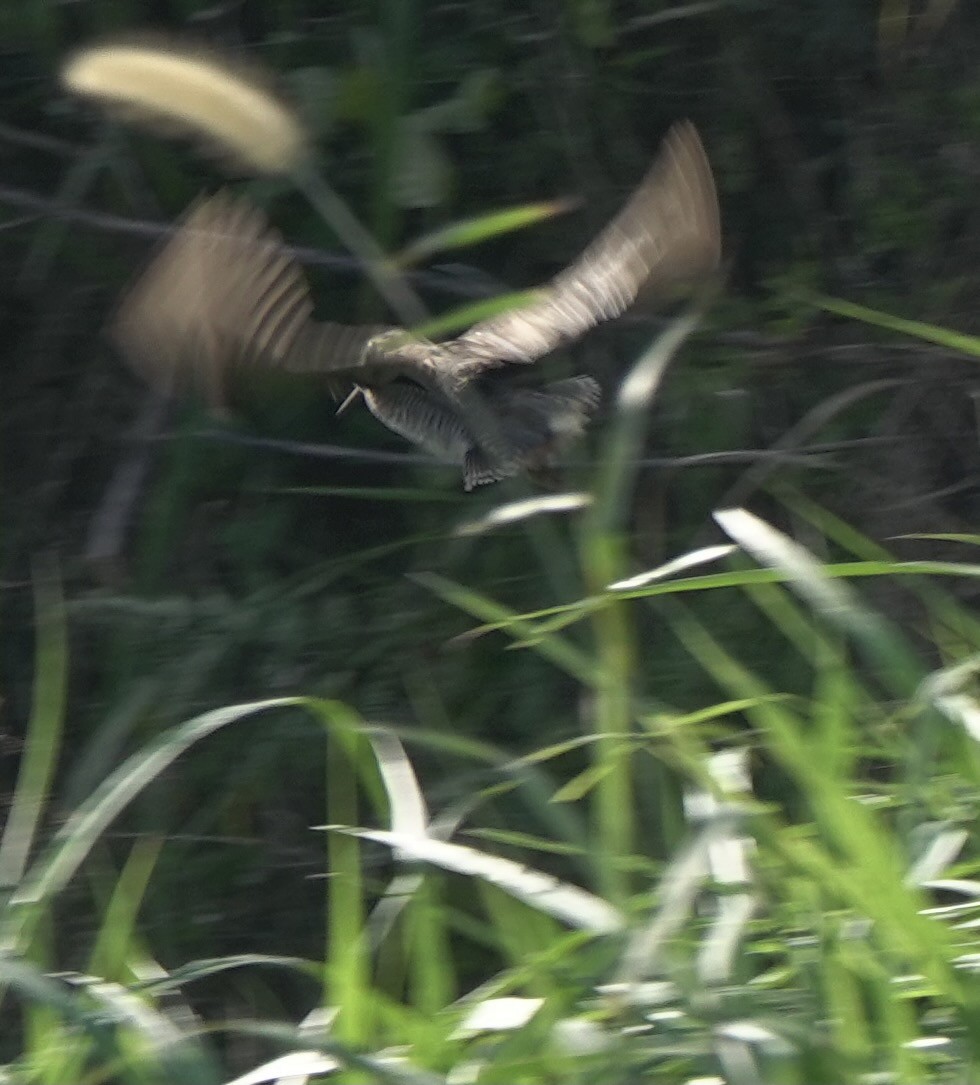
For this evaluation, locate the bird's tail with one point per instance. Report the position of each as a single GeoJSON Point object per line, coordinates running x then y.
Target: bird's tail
{"type": "Point", "coordinates": [536, 426]}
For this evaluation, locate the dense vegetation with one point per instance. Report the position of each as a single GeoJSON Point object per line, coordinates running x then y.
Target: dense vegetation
{"type": "Point", "coordinates": [750, 776]}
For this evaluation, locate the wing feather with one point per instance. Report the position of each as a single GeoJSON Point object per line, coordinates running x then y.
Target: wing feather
{"type": "Point", "coordinates": [668, 232]}
{"type": "Point", "coordinates": [222, 294]}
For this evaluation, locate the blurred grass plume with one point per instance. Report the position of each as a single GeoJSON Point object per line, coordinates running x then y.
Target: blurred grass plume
{"type": "Point", "coordinates": [198, 92]}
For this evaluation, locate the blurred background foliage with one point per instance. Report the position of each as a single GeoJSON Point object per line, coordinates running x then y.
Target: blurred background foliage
{"type": "Point", "coordinates": [201, 566]}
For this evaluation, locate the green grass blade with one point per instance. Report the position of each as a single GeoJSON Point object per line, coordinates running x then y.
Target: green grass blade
{"type": "Point", "coordinates": [865, 865]}
{"type": "Point", "coordinates": [44, 730]}
{"type": "Point", "coordinates": [564, 901]}
{"type": "Point", "coordinates": [472, 231]}
{"type": "Point", "coordinates": [931, 333]}
{"type": "Point", "coordinates": [560, 652]}
{"type": "Point", "coordinates": [464, 316]}
{"type": "Point", "coordinates": [118, 932]}
{"type": "Point", "coordinates": [75, 839]}
{"type": "Point", "coordinates": [896, 663]}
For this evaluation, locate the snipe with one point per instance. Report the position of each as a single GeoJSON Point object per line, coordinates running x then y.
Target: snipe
{"type": "Point", "coordinates": [223, 294]}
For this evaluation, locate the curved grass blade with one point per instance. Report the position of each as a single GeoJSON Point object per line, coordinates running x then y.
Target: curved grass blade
{"type": "Point", "coordinates": [897, 664]}
{"type": "Point", "coordinates": [77, 836]}
{"type": "Point", "coordinates": [618, 465]}
{"type": "Point", "coordinates": [569, 903]}
{"type": "Point", "coordinates": [43, 731]}
{"type": "Point", "coordinates": [472, 231]}
{"type": "Point", "coordinates": [931, 333]}
{"type": "Point", "coordinates": [513, 512]}
{"type": "Point", "coordinates": [207, 967]}
{"type": "Point", "coordinates": [463, 316]}
{"type": "Point", "coordinates": [561, 652]}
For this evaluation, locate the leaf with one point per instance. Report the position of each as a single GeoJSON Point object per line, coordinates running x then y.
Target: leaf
{"type": "Point", "coordinates": [931, 333]}
{"type": "Point", "coordinates": [543, 892]}
{"type": "Point", "coordinates": [472, 231]}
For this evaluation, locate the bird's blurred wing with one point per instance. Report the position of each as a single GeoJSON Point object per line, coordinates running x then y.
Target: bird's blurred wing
{"type": "Point", "coordinates": [221, 294]}
{"type": "Point", "coordinates": [668, 232]}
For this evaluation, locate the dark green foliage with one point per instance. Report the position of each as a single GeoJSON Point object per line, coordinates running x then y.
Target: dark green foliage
{"type": "Point", "coordinates": [845, 147]}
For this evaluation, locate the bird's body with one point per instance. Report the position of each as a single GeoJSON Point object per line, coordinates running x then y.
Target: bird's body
{"type": "Point", "coordinates": [223, 295]}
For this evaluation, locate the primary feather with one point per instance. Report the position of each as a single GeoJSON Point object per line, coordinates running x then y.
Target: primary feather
{"type": "Point", "coordinates": [668, 232]}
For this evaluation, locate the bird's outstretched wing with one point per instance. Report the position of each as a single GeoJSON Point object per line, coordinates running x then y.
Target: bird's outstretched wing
{"type": "Point", "coordinates": [222, 294]}
{"type": "Point", "coordinates": [669, 232]}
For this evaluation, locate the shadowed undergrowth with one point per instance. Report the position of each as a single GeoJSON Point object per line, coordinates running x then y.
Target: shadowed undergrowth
{"type": "Point", "coordinates": [774, 881]}
{"type": "Point", "coordinates": [607, 788]}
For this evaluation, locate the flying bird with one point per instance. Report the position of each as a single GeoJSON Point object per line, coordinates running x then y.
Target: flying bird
{"type": "Point", "coordinates": [223, 294]}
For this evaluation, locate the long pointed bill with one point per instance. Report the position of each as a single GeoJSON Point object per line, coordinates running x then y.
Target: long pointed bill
{"type": "Point", "coordinates": [352, 398]}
